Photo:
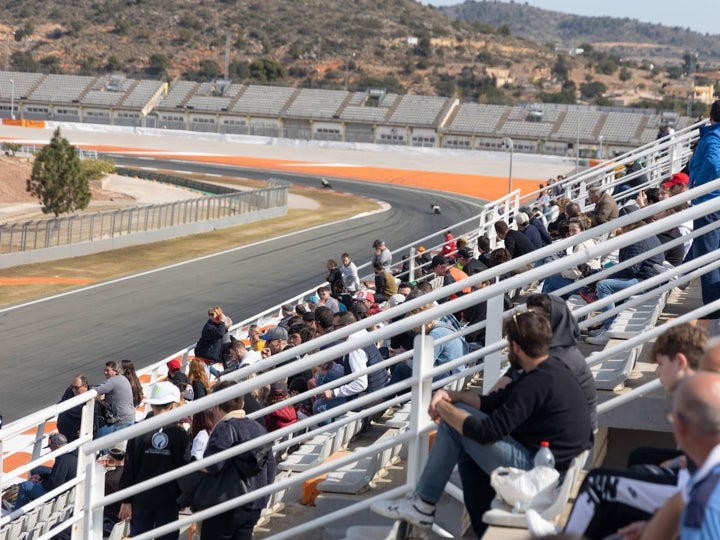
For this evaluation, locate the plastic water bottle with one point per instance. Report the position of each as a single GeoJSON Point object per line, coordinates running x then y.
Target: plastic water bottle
{"type": "Point", "coordinates": [544, 457]}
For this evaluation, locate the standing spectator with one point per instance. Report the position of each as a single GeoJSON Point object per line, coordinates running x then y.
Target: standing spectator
{"type": "Point", "coordinates": [68, 422]}
{"type": "Point", "coordinates": [128, 370]}
{"type": "Point", "coordinates": [382, 255]}
{"type": "Point", "coordinates": [350, 277]}
{"type": "Point", "coordinates": [467, 263]}
{"type": "Point", "coordinates": [704, 167]}
{"type": "Point", "coordinates": [335, 278]}
{"type": "Point", "coordinates": [150, 455]}
{"type": "Point", "coordinates": [504, 428]}
{"type": "Point", "coordinates": [258, 466]}
{"type": "Point", "coordinates": [43, 479]}
{"type": "Point", "coordinates": [209, 347]}
{"type": "Point", "coordinates": [448, 248]}
{"type": "Point", "coordinates": [197, 375]}
{"type": "Point", "coordinates": [483, 246]}
{"type": "Point", "coordinates": [606, 209]}
{"type": "Point", "coordinates": [118, 400]}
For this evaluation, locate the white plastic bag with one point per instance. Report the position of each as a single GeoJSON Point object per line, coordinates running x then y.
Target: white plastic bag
{"type": "Point", "coordinates": [525, 489]}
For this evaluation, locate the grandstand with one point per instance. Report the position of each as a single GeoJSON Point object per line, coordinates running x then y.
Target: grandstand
{"type": "Point", "coordinates": [342, 498]}
{"type": "Point", "coordinates": [370, 116]}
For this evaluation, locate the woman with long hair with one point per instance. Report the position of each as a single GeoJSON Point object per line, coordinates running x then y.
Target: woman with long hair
{"type": "Point", "coordinates": [197, 375]}
{"type": "Point", "coordinates": [128, 369]}
{"type": "Point", "coordinates": [200, 429]}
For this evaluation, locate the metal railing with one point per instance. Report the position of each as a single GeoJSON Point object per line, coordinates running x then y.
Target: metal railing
{"type": "Point", "coordinates": [488, 359]}
{"type": "Point", "coordinates": [90, 227]}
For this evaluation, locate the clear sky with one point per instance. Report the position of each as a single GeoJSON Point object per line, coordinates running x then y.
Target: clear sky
{"type": "Point", "coordinates": [698, 15]}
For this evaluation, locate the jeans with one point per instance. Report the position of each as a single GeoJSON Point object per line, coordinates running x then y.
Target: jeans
{"type": "Point", "coordinates": [606, 287]}
{"type": "Point", "coordinates": [29, 491]}
{"type": "Point", "coordinates": [146, 520]}
{"type": "Point", "coordinates": [322, 404]}
{"type": "Point", "coordinates": [555, 282]}
{"type": "Point", "coordinates": [450, 445]}
{"type": "Point", "coordinates": [707, 243]}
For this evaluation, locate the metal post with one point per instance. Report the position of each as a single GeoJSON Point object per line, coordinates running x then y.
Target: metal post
{"type": "Point", "coordinates": [507, 141]}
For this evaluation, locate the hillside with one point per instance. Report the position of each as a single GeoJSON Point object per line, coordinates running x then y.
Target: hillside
{"type": "Point", "coordinates": [628, 38]}
{"type": "Point", "coordinates": [503, 53]}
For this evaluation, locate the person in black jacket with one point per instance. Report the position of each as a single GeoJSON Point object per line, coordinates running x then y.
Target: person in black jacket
{"type": "Point", "coordinates": [210, 345]}
{"type": "Point", "coordinates": [148, 456]}
{"type": "Point", "coordinates": [515, 241]}
{"type": "Point", "coordinates": [257, 465]}
{"type": "Point", "coordinates": [503, 428]}
{"type": "Point", "coordinates": [68, 422]}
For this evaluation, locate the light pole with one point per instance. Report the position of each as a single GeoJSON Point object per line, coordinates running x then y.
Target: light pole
{"type": "Point", "coordinates": [507, 141]}
{"type": "Point", "coordinates": [12, 99]}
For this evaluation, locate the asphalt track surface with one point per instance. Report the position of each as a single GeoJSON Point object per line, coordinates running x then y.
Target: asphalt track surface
{"type": "Point", "coordinates": [152, 315]}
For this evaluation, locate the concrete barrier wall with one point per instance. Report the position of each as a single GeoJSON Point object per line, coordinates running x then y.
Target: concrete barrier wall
{"type": "Point", "coordinates": [147, 237]}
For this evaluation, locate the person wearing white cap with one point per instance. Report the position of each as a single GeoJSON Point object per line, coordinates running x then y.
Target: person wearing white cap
{"type": "Point", "coordinates": [150, 455]}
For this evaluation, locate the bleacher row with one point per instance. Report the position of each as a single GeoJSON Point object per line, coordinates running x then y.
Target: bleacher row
{"type": "Point", "coordinates": [36, 96]}
{"type": "Point", "coordinates": [40, 519]}
{"type": "Point", "coordinates": [315, 452]}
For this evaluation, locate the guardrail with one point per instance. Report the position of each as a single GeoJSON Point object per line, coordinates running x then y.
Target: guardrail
{"type": "Point", "coordinates": [488, 359]}
{"type": "Point", "coordinates": [91, 227]}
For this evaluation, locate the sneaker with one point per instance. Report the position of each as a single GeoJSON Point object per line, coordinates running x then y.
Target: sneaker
{"type": "Point", "coordinates": [588, 296]}
{"type": "Point", "coordinates": [600, 339]}
{"type": "Point", "coordinates": [411, 509]}
{"type": "Point", "coordinates": [538, 526]}
{"type": "Point", "coordinates": [596, 331]}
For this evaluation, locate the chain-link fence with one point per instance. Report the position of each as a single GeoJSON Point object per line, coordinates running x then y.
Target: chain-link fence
{"type": "Point", "coordinates": [65, 230]}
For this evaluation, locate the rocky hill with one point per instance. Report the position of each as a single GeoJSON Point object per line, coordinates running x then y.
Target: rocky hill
{"type": "Point", "coordinates": [497, 55]}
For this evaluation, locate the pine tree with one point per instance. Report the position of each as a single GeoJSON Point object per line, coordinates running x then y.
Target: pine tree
{"type": "Point", "coordinates": [58, 178]}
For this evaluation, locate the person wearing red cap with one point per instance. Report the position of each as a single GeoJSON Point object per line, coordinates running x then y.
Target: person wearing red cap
{"type": "Point", "coordinates": [677, 183]}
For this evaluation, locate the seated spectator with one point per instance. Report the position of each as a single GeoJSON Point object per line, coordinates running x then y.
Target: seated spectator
{"type": "Point", "coordinates": [327, 300]}
{"type": "Point", "coordinates": [68, 422]}
{"type": "Point", "coordinates": [502, 428]}
{"type": "Point", "coordinates": [114, 463]}
{"type": "Point", "coordinates": [254, 333]}
{"type": "Point", "coordinates": [200, 428]}
{"type": "Point", "coordinates": [529, 230]}
{"type": "Point", "coordinates": [572, 274]}
{"type": "Point", "coordinates": [179, 379]}
{"type": "Point", "coordinates": [368, 298]}
{"type": "Point", "coordinates": [356, 360]}
{"type": "Point", "coordinates": [627, 277]}
{"type": "Point", "coordinates": [599, 512]}
{"type": "Point", "coordinates": [483, 246]}
{"type": "Point", "coordinates": [198, 379]}
{"type": "Point", "coordinates": [43, 479]}
{"type": "Point", "coordinates": [385, 284]}
{"type": "Point", "coordinates": [422, 262]}
{"type": "Point", "coordinates": [606, 209]}
{"type": "Point", "coordinates": [283, 417]}
{"type": "Point", "coordinates": [515, 242]}
{"type": "Point", "coordinates": [467, 263]}
{"type": "Point", "coordinates": [117, 398]}
{"type": "Point", "coordinates": [450, 274]}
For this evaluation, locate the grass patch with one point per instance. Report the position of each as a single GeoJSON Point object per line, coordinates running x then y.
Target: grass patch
{"type": "Point", "coordinates": [113, 264]}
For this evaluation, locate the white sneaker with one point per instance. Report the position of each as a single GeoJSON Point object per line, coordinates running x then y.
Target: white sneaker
{"type": "Point", "coordinates": [596, 332]}
{"type": "Point", "coordinates": [538, 526]}
{"type": "Point", "coordinates": [601, 339]}
{"type": "Point", "coordinates": [411, 509]}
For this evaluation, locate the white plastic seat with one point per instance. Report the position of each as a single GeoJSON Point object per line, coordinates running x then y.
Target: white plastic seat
{"type": "Point", "coordinates": [501, 514]}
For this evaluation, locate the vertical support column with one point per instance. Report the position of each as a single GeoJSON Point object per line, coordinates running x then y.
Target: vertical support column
{"type": "Point", "coordinates": [92, 487]}
{"type": "Point", "coordinates": [421, 393]}
{"type": "Point", "coordinates": [493, 334]}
